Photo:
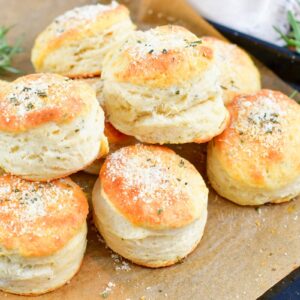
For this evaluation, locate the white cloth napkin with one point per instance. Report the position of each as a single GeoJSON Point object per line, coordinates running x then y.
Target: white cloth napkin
{"type": "Point", "coordinates": [254, 17]}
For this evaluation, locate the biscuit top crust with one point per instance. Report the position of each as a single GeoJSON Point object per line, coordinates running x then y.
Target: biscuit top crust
{"type": "Point", "coordinates": [261, 145]}
{"type": "Point", "coordinates": [160, 57]}
{"type": "Point", "coordinates": [75, 25]}
{"type": "Point", "coordinates": [38, 219]}
{"type": "Point", "coordinates": [238, 72]}
{"type": "Point", "coordinates": [33, 100]}
{"type": "Point", "coordinates": [79, 16]}
{"type": "Point", "coordinates": [153, 187]}
{"type": "Point", "coordinates": [230, 53]}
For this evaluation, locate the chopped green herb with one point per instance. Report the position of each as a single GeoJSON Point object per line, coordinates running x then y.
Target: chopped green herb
{"type": "Point", "coordinates": [151, 51]}
{"type": "Point", "coordinates": [104, 294]}
{"type": "Point", "coordinates": [41, 93]}
{"type": "Point", "coordinates": [165, 51]}
{"type": "Point", "coordinates": [159, 211]}
{"type": "Point", "coordinates": [181, 163]}
{"type": "Point", "coordinates": [180, 260]}
{"type": "Point", "coordinates": [232, 82]}
{"type": "Point", "coordinates": [177, 92]}
{"type": "Point", "coordinates": [194, 43]}
{"type": "Point", "coordinates": [14, 100]}
{"type": "Point", "coordinates": [29, 106]}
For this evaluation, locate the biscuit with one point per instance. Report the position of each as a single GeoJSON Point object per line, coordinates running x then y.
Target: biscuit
{"type": "Point", "coordinates": [42, 234]}
{"type": "Point", "coordinates": [150, 205]}
{"type": "Point", "coordinates": [97, 85]}
{"type": "Point", "coordinates": [75, 43]}
{"type": "Point", "coordinates": [50, 127]}
{"type": "Point", "coordinates": [3, 83]}
{"type": "Point", "coordinates": [116, 140]}
{"type": "Point", "coordinates": [238, 73]}
{"type": "Point", "coordinates": [256, 159]}
{"type": "Point", "coordinates": [162, 87]}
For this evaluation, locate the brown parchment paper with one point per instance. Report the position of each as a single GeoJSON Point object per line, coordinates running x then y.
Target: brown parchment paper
{"type": "Point", "coordinates": [244, 250]}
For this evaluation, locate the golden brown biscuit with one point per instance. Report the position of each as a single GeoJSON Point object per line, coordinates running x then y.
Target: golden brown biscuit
{"type": "Point", "coordinates": [256, 159]}
{"type": "Point", "coordinates": [150, 205]}
{"type": "Point", "coordinates": [75, 43]}
{"type": "Point", "coordinates": [162, 87]}
{"type": "Point", "coordinates": [2, 84]}
{"type": "Point", "coordinates": [97, 84]}
{"type": "Point", "coordinates": [42, 234]}
{"type": "Point", "coordinates": [50, 127]}
{"type": "Point", "coordinates": [238, 74]}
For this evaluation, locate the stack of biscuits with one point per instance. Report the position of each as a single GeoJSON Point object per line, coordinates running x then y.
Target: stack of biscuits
{"type": "Point", "coordinates": [106, 99]}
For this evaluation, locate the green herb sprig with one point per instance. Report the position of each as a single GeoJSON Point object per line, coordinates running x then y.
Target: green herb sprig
{"type": "Point", "coordinates": [292, 39]}
{"type": "Point", "coordinates": [293, 96]}
{"type": "Point", "coordinates": [7, 52]}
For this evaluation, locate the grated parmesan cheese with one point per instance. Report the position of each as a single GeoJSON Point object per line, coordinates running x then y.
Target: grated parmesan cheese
{"type": "Point", "coordinates": [75, 17]}
{"type": "Point", "coordinates": [25, 203]}
{"type": "Point", "coordinates": [260, 124]}
{"type": "Point", "coordinates": [151, 178]}
{"type": "Point", "coordinates": [155, 43]}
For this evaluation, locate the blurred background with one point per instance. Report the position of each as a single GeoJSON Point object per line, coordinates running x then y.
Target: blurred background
{"type": "Point", "coordinates": [268, 29]}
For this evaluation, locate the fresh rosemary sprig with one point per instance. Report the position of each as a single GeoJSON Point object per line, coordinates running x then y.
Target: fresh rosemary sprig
{"type": "Point", "coordinates": [293, 95]}
{"type": "Point", "coordinates": [292, 39]}
{"type": "Point", "coordinates": [7, 52]}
